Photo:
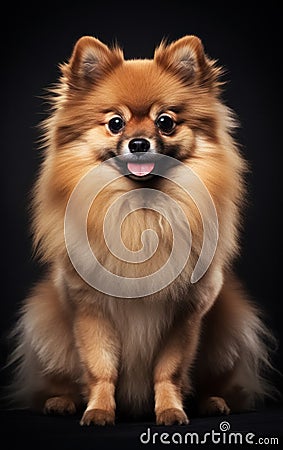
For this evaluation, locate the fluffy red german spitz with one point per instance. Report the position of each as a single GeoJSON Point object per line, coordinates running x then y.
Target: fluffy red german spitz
{"type": "Point", "coordinates": [80, 346]}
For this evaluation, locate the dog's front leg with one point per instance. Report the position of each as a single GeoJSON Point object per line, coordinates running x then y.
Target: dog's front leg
{"type": "Point", "coordinates": [99, 352]}
{"type": "Point", "coordinates": [171, 373]}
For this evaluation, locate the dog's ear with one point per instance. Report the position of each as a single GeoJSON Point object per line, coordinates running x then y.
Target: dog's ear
{"type": "Point", "coordinates": [90, 60]}
{"type": "Point", "coordinates": [185, 57]}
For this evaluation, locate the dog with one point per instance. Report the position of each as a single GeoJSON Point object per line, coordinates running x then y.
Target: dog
{"type": "Point", "coordinates": [154, 139]}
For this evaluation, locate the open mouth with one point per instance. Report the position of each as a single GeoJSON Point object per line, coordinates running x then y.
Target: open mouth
{"type": "Point", "coordinates": [139, 166]}
{"type": "Point", "coordinates": [144, 166]}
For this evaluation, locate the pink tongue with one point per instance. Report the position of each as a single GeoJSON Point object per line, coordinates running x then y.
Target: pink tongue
{"type": "Point", "coordinates": [140, 170]}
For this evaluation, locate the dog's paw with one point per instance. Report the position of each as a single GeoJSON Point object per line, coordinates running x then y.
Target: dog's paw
{"type": "Point", "coordinates": [98, 417]}
{"type": "Point", "coordinates": [214, 406]}
{"type": "Point", "coordinates": [171, 416]}
{"type": "Point", "coordinates": [59, 405]}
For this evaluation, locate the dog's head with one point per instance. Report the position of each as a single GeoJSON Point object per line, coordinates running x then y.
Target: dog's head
{"type": "Point", "coordinates": [119, 117]}
{"type": "Point", "coordinates": [135, 109]}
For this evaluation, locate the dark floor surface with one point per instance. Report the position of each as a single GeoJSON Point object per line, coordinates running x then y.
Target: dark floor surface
{"type": "Point", "coordinates": [34, 431]}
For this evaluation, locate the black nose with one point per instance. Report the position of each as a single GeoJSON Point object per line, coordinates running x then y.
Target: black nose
{"type": "Point", "coordinates": [139, 145]}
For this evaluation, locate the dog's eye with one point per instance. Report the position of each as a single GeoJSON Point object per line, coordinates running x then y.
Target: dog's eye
{"type": "Point", "coordinates": [116, 124]}
{"type": "Point", "coordinates": [165, 124]}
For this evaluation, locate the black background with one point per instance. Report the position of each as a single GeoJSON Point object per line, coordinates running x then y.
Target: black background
{"type": "Point", "coordinates": [245, 40]}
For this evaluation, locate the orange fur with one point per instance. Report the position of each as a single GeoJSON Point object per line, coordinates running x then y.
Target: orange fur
{"type": "Point", "coordinates": [77, 344]}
